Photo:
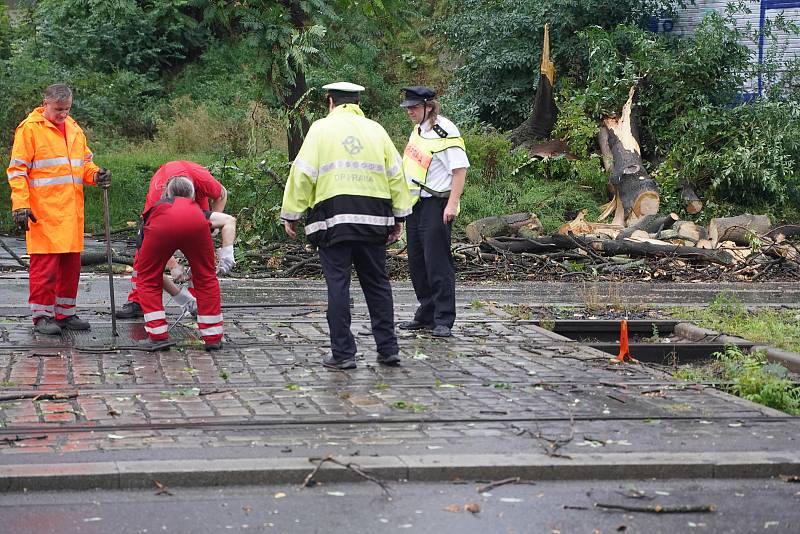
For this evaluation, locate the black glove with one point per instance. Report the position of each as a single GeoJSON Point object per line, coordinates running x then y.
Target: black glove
{"type": "Point", "coordinates": [21, 217]}
{"type": "Point", "coordinates": [103, 178]}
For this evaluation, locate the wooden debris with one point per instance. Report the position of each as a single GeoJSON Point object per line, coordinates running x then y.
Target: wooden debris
{"type": "Point", "coordinates": [741, 229]}
{"type": "Point", "coordinates": [503, 225]}
{"type": "Point", "coordinates": [691, 201]}
{"type": "Point", "coordinates": [660, 509]}
{"type": "Point", "coordinates": [634, 192]}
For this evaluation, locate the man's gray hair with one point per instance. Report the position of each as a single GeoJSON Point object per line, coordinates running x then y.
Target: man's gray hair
{"type": "Point", "coordinates": [58, 92]}
{"type": "Point", "coordinates": [179, 186]}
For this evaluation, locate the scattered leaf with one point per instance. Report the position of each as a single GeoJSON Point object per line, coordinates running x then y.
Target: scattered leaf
{"type": "Point", "coordinates": [247, 509]}
{"type": "Point", "coordinates": [510, 499]}
{"type": "Point", "coordinates": [336, 493]}
{"type": "Point", "coordinates": [279, 495]}
{"type": "Point", "coordinates": [452, 508]}
{"type": "Point", "coordinates": [162, 489]}
{"type": "Point", "coordinates": [472, 507]}
{"type": "Point", "coordinates": [292, 387]}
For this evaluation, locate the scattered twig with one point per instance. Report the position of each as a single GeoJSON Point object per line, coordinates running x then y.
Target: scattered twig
{"type": "Point", "coordinates": [355, 468]}
{"type": "Point", "coordinates": [17, 439]}
{"type": "Point", "coordinates": [495, 484]}
{"type": "Point", "coordinates": [162, 489]}
{"type": "Point", "coordinates": [39, 396]}
{"type": "Point", "coordinates": [571, 507]}
{"type": "Point", "coordinates": [659, 509]}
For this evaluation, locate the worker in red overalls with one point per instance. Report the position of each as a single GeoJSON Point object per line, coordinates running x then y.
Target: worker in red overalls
{"type": "Point", "coordinates": [174, 223]}
{"type": "Point", "coordinates": [209, 194]}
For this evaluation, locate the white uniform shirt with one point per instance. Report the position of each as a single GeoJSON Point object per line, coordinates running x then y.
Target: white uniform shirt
{"type": "Point", "coordinates": [440, 172]}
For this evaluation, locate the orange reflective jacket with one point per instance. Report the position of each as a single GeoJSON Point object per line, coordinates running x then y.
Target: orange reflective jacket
{"type": "Point", "coordinates": [47, 174]}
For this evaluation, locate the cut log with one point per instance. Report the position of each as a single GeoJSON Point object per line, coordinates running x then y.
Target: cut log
{"type": "Point", "coordinates": [705, 244]}
{"type": "Point", "coordinates": [689, 230]}
{"type": "Point", "coordinates": [634, 191]}
{"type": "Point", "coordinates": [787, 230]}
{"type": "Point", "coordinates": [690, 199]}
{"type": "Point", "coordinates": [502, 225]}
{"type": "Point", "coordinates": [652, 224]}
{"type": "Point", "coordinates": [740, 229]}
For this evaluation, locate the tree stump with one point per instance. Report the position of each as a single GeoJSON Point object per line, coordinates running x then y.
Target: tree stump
{"type": "Point", "coordinates": [635, 193]}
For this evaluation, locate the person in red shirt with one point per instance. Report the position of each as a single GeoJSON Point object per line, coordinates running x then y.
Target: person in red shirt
{"type": "Point", "coordinates": [209, 194]}
{"type": "Point", "coordinates": [173, 223]}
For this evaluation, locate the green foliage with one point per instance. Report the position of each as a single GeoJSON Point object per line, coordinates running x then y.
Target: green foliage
{"type": "Point", "coordinates": [746, 155]}
{"type": "Point", "coordinates": [5, 33]}
{"type": "Point", "coordinates": [502, 181]}
{"type": "Point", "coordinates": [755, 380]}
{"type": "Point", "coordinates": [255, 191]}
{"type": "Point", "coordinates": [144, 37]}
{"type": "Point", "coordinates": [499, 43]}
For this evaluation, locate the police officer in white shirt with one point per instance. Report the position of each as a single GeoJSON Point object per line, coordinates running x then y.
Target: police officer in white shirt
{"type": "Point", "coordinates": [435, 165]}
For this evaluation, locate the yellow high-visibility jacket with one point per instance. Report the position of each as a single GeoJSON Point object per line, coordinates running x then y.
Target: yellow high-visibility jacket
{"type": "Point", "coordinates": [47, 174]}
{"type": "Point", "coordinates": [418, 155]}
{"type": "Point", "coordinates": [349, 177]}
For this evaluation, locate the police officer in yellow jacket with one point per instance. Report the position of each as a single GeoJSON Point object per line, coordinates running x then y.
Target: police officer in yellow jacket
{"type": "Point", "coordinates": [435, 164]}
{"type": "Point", "coordinates": [348, 181]}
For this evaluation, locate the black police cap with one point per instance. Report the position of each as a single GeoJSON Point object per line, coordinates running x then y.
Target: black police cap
{"type": "Point", "coordinates": [417, 94]}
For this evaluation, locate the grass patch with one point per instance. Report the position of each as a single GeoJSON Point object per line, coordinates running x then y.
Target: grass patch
{"type": "Point", "coordinates": [750, 376]}
{"type": "Point", "coordinates": [727, 314]}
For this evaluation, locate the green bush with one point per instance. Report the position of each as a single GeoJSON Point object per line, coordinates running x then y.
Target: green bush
{"type": "Point", "coordinates": [500, 181]}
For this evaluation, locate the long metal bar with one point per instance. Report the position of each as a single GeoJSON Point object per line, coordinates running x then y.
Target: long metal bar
{"type": "Point", "coordinates": [110, 267]}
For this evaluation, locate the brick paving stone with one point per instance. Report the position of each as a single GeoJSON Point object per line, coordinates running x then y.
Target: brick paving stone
{"type": "Point", "coordinates": [491, 370]}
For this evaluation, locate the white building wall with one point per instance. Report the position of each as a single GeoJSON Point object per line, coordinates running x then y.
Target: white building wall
{"type": "Point", "coordinates": [688, 19]}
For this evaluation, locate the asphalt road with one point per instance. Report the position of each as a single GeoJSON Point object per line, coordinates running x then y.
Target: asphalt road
{"type": "Point", "coordinates": [741, 506]}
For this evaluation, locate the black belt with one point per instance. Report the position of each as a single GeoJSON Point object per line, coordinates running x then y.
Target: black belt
{"type": "Point", "coordinates": [433, 192]}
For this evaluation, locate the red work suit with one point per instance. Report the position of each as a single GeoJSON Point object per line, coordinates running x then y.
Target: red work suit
{"type": "Point", "coordinates": [170, 225]}
{"type": "Point", "coordinates": [205, 187]}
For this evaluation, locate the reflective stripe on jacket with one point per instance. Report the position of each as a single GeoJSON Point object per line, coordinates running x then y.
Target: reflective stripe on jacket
{"type": "Point", "coordinates": [418, 155]}
{"type": "Point", "coordinates": [46, 174]}
{"type": "Point", "coordinates": [349, 175]}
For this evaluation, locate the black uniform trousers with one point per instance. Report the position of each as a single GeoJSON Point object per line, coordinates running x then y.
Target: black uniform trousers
{"type": "Point", "coordinates": [431, 262]}
{"type": "Point", "coordinates": [369, 259]}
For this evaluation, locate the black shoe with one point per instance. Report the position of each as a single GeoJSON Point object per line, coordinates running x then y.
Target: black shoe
{"type": "Point", "coordinates": [153, 346]}
{"type": "Point", "coordinates": [441, 331]}
{"type": "Point", "coordinates": [212, 346]}
{"type": "Point", "coordinates": [391, 360]}
{"type": "Point", "coordinates": [73, 322]}
{"type": "Point", "coordinates": [332, 363]}
{"type": "Point", "coordinates": [47, 325]}
{"type": "Point", "coordinates": [129, 310]}
{"type": "Point", "coordinates": [414, 325]}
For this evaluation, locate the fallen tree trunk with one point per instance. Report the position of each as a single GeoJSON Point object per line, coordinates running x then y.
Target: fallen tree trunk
{"type": "Point", "coordinates": [635, 193]}
{"type": "Point", "coordinates": [96, 258]}
{"type": "Point", "coordinates": [502, 225]}
{"type": "Point", "coordinates": [610, 247]}
{"type": "Point", "coordinates": [740, 229]}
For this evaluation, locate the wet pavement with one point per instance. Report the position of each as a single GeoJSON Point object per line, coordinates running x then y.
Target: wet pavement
{"type": "Point", "coordinates": [498, 386]}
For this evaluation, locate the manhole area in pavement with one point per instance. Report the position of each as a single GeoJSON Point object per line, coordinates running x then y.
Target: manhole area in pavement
{"type": "Point", "coordinates": [129, 334]}
{"type": "Point", "coordinates": [651, 341]}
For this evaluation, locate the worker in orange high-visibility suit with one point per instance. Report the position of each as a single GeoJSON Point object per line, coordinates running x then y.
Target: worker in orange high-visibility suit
{"type": "Point", "coordinates": [50, 164]}
{"type": "Point", "coordinates": [174, 223]}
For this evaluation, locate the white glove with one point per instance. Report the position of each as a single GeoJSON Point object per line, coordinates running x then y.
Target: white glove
{"type": "Point", "coordinates": [225, 261]}
{"type": "Point", "coordinates": [179, 274]}
{"type": "Point", "coordinates": [186, 300]}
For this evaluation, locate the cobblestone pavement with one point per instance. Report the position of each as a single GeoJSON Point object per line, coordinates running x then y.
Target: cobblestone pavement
{"type": "Point", "coordinates": [496, 386]}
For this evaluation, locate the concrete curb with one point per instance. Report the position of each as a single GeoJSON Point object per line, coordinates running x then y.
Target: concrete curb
{"type": "Point", "coordinates": [422, 468]}
{"type": "Point", "coordinates": [790, 360]}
